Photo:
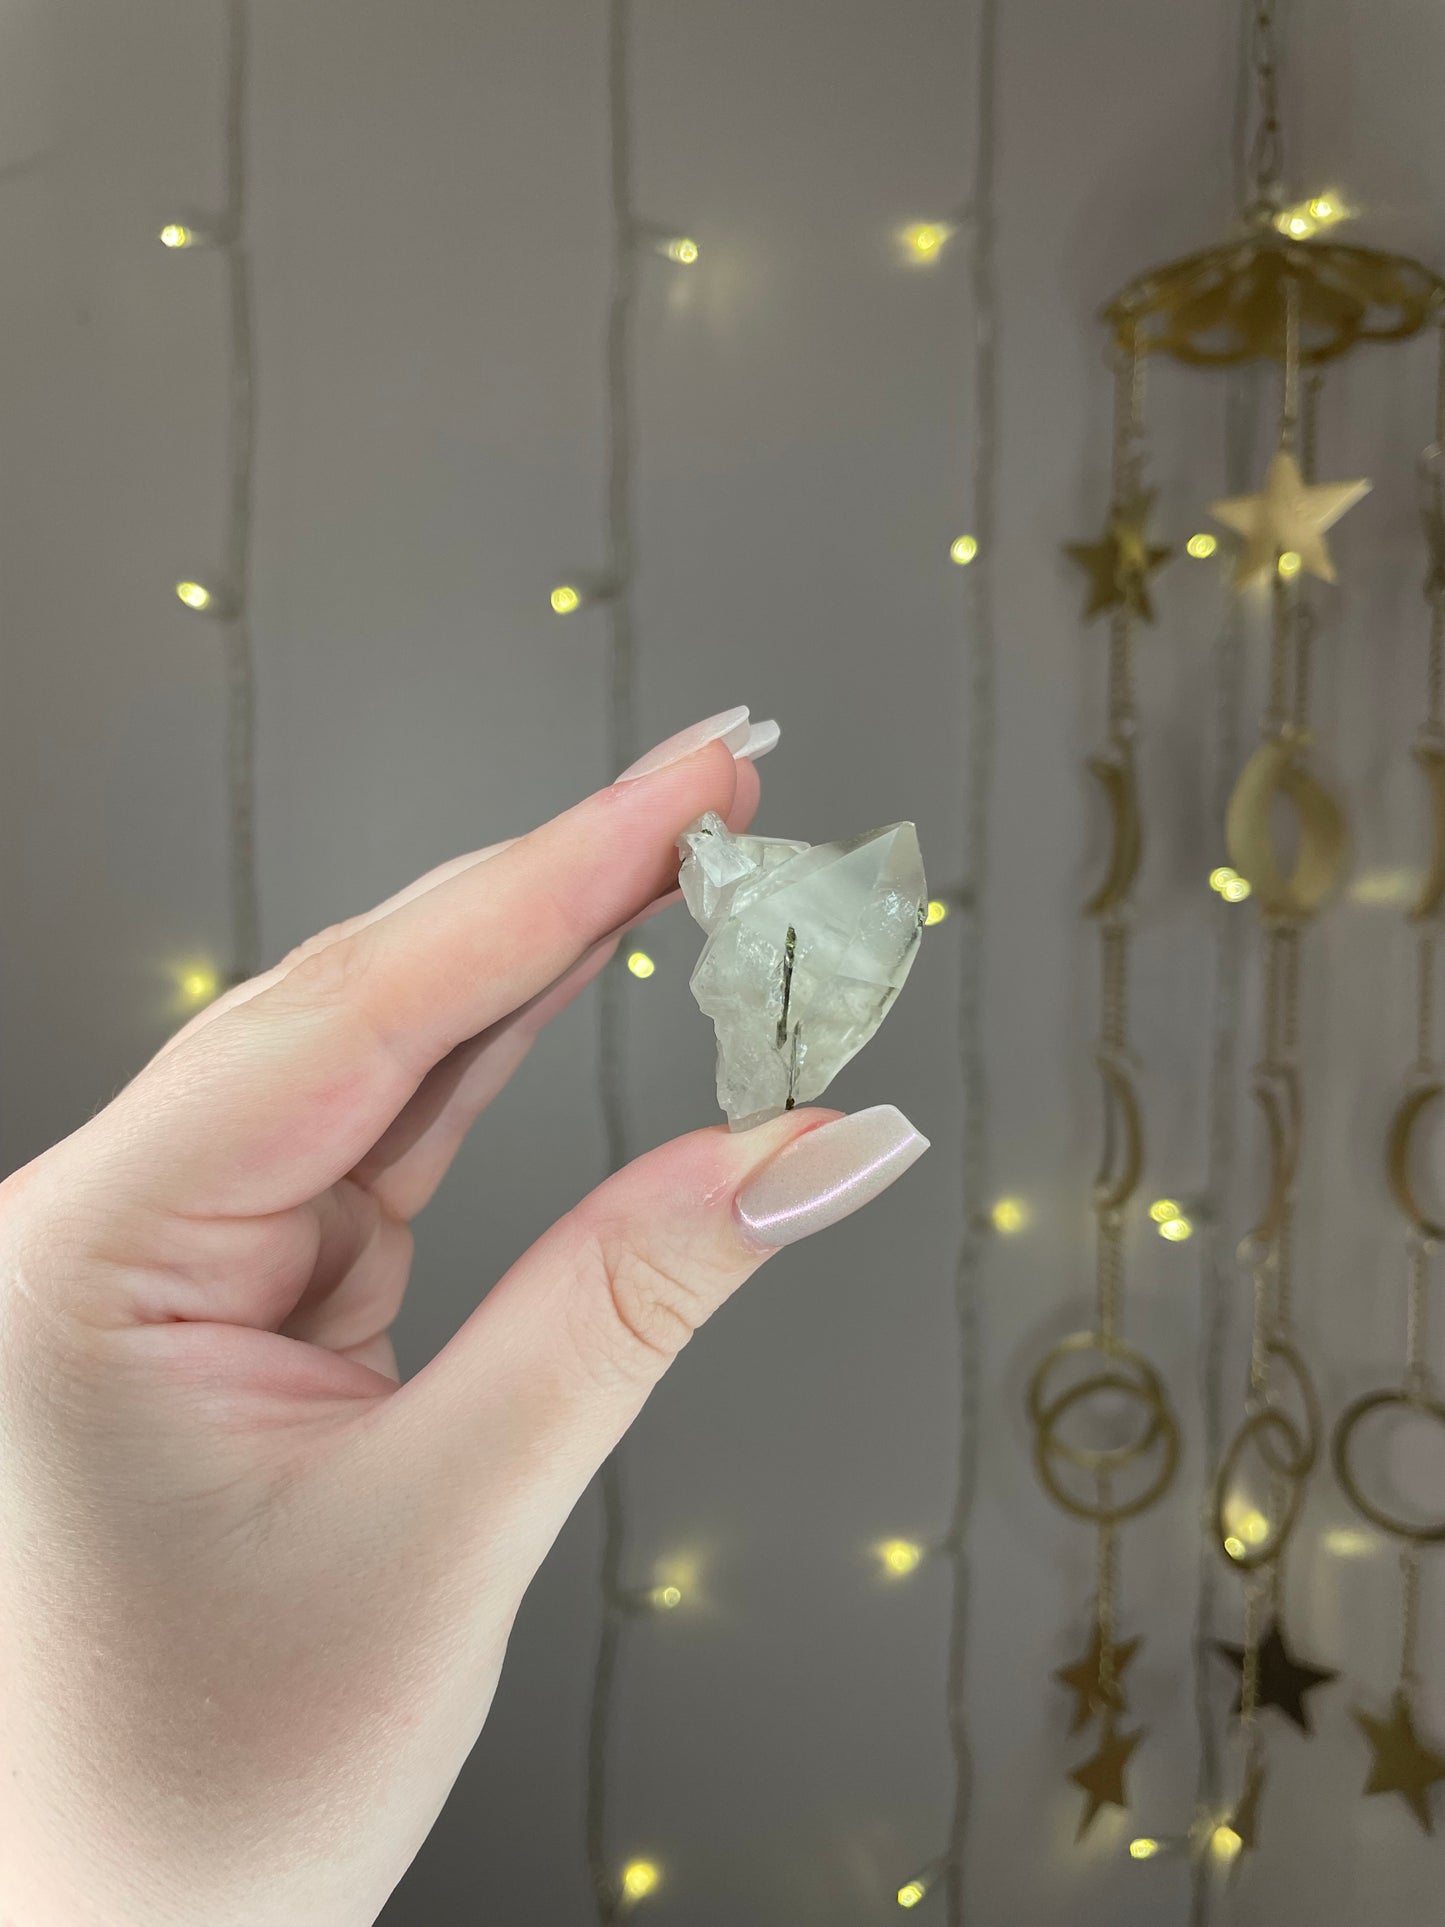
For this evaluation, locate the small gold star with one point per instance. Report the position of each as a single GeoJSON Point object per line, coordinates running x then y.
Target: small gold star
{"type": "Point", "coordinates": [1288, 514]}
{"type": "Point", "coordinates": [1402, 1762]}
{"type": "Point", "coordinates": [1120, 563]}
{"type": "Point", "coordinates": [1085, 1680]}
{"type": "Point", "coordinates": [1281, 1680]}
{"type": "Point", "coordinates": [1102, 1777]}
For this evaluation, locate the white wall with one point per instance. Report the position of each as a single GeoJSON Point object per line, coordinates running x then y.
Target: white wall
{"type": "Point", "coordinates": [430, 235]}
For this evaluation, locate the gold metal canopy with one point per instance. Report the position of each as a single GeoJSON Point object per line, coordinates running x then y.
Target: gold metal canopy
{"type": "Point", "coordinates": [1229, 304]}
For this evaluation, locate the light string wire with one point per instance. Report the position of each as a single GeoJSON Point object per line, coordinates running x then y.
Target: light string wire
{"type": "Point", "coordinates": [975, 1169]}
{"type": "Point", "coordinates": [1216, 1274]}
{"type": "Point", "coordinates": [621, 748]}
{"type": "Point", "coordinates": [240, 655]}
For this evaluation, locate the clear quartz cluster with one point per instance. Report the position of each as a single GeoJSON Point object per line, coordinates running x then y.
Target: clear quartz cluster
{"type": "Point", "coordinates": [807, 946]}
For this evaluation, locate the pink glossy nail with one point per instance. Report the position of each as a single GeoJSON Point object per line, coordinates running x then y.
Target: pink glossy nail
{"type": "Point", "coordinates": [729, 726]}
{"type": "Point", "coordinates": [828, 1172]}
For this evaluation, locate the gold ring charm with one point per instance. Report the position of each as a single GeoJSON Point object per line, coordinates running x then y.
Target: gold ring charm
{"type": "Point", "coordinates": [1115, 776]}
{"type": "Point", "coordinates": [1128, 1373]}
{"type": "Point", "coordinates": [1432, 891]}
{"type": "Point", "coordinates": [1123, 1157]}
{"type": "Point", "coordinates": [1287, 1451]}
{"type": "Point", "coordinates": [1274, 770]}
{"type": "Point", "coordinates": [1350, 1419]}
{"type": "Point", "coordinates": [1397, 1159]}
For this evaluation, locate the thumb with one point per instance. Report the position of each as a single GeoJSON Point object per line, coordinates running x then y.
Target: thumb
{"type": "Point", "coordinates": [513, 1418]}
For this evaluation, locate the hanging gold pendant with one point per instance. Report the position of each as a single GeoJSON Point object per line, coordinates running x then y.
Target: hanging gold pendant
{"type": "Point", "coordinates": [1275, 770]}
{"type": "Point", "coordinates": [1115, 776]}
{"type": "Point", "coordinates": [1402, 1763]}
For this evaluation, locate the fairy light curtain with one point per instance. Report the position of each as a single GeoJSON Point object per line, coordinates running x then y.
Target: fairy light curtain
{"type": "Point", "coordinates": [1281, 291]}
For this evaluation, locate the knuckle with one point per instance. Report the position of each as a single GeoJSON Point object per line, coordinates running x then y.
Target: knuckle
{"type": "Point", "coordinates": [327, 968]}
{"type": "Point", "coordinates": [650, 1306]}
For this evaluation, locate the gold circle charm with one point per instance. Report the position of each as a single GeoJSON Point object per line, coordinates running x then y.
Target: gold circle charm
{"type": "Point", "coordinates": [1287, 1449]}
{"type": "Point", "coordinates": [1397, 1159]}
{"type": "Point", "coordinates": [1350, 1419]}
{"type": "Point", "coordinates": [1275, 770]}
{"type": "Point", "coordinates": [1126, 1373]}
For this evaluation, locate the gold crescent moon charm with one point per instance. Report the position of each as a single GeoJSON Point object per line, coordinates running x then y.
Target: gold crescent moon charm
{"type": "Point", "coordinates": [1278, 1097]}
{"type": "Point", "coordinates": [1397, 1158]}
{"type": "Point", "coordinates": [1115, 776]}
{"type": "Point", "coordinates": [1432, 891]}
{"type": "Point", "coordinates": [1123, 1159]}
{"type": "Point", "coordinates": [1274, 770]}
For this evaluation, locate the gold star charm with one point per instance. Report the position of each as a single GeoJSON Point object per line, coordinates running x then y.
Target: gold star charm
{"type": "Point", "coordinates": [1288, 514]}
{"type": "Point", "coordinates": [1102, 1777]}
{"type": "Point", "coordinates": [1085, 1680]}
{"type": "Point", "coordinates": [1402, 1764]}
{"type": "Point", "coordinates": [1119, 565]}
{"type": "Point", "coordinates": [1281, 1680]}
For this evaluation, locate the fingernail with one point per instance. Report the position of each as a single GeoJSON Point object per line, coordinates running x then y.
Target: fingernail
{"type": "Point", "coordinates": [828, 1172]}
{"type": "Point", "coordinates": [761, 738]}
{"type": "Point", "coordinates": [729, 726]}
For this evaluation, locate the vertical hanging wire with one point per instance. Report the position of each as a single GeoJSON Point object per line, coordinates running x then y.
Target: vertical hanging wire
{"type": "Point", "coordinates": [240, 653]}
{"type": "Point", "coordinates": [974, 1175]}
{"type": "Point", "coordinates": [621, 749]}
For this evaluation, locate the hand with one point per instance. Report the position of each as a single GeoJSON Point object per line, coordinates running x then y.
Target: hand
{"type": "Point", "coordinates": [255, 1594]}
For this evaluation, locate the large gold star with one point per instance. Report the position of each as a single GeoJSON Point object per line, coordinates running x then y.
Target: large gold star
{"type": "Point", "coordinates": [1102, 1777]}
{"type": "Point", "coordinates": [1119, 565]}
{"type": "Point", "coordinates": [1288, 514]}
{"type": "Point", "coordinates": [1085, 1680]}
{"type": "Point", "coordinates": [1281, 1680]}
{"type": "Point", "coordinates": [1402, 1762]}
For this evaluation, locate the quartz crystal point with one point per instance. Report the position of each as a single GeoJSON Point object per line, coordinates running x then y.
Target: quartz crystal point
{"type": "Point", "coordinates": [807, 946]}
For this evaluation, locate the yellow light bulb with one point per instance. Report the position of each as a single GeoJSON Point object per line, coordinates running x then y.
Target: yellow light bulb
{"type": "Point", "coordinates": [1201, 545]}
{"type": "Point", "coordinates": [936, 911]}
{"type": "Point", "coordinates": [195, 595]}
{"type": "Point", "coordinates": [1176, 1230]}
{"type": "Point", "coordinates": [1009, 1215]}
{"type": "Point", "coordinates": [175, 235]}
{"type": "Point", "coordinates": [640, 964]}
{"type": "Point", "coordinates": [666, 1597]}
{"type": "Point", "coordinates": [1289, 563]}
{"type": "Point", "coordinates": [963, 549]}
{"type": "Point", "coordinates": [565, 599]}
{"type": "Point", "coordinates": [1220, 878]}
{"type": "Point", "coordinates": [1236, 890]}
{"type": "Point", "coordinates": [640, 1877]}
{"type": "Point", "coordinates": [1143, 1849]}
{"type": "Point", "coordinates": [900, 1556]}
{"type": "Point", "coordinates": [1297, 223]}
{"type": "Point", "coordinates": [682, 249]}
{"type": "Point", "coordinates": [925, 238]}
{"type": "Point", "coordinates": [1225, 1842]}
{"type": "Point", "coordinates": [199, 984]}
{"type": "Point", "coordinates": [1163, 1209]}
{"type": "Point", "coordinates": [1236, 1548]}
{"type": "Point", "coordinates": [1254, 1528]}
{"type": "Point", "coordinates": [1322, 208]}
{"type": "Point", "coordinates": [910, 1894]}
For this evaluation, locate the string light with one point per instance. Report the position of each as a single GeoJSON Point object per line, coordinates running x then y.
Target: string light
{"type": "Point", "coordinates": [924, 239]}
{"type": "Point", "coordinates": [911, 1892]}
{"type": "Point", "coordinates": [1289, 563]}
{"type": "Point", "coordinates": [666, 1598]}
{"type": "Point", "coordinates": [640, 1878]}
{"type": "Point", "coordinates": [640, 964]}
{"type": "Point", "coordinates": [963, 549]}
{"type": "Point", "coordinates": [1305, 218]}
{"type": "Point", "coordinates": [1235, 1546]}
{"type": "Point", "coordinates": [1225, 1843]}
{"type": "Point", "coordinates": [900, 1556]}
{"type": "Point", "coordinates": [1176, 1230]}
{"type": "Point", "coordinates": [1201, 546]}
{"type": "Point", "coordinates": [565, 599]}
{"type": "Point", "coordinates": [198, 984]}
{"type": "Point", "coordinates": [935, 913]}
{"type": "Point", "coordinates": [679, 248]}
{"type": "Point", "coordinates": [1009, 1215]}
{"type": "Point", "coordinates": [1163, 1209]}
{"type": "Point", "coordinates": [1143, 1848]}
{"type": "Point", "coordinates": [1229, 884]}
{"type": "Point", "coordinates": [225, 602]}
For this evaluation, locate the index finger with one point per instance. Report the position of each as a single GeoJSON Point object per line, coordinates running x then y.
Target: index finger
{"type": "Point", "coordinates": [282, 1095]}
